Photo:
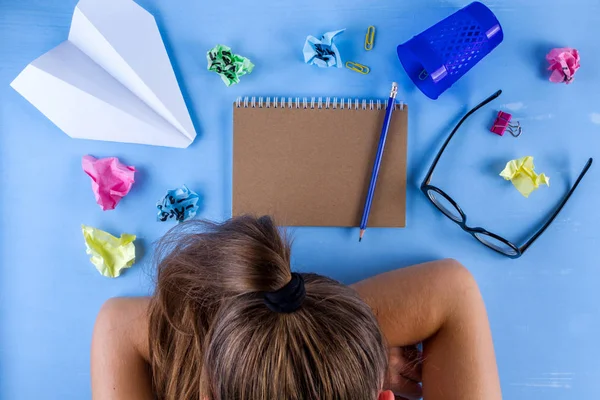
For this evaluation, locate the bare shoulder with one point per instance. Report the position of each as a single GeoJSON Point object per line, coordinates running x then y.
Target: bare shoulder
{"type": "Point", "coordinates": [124, 319]}
{"type": "Point", "coordinates": [446, 272]}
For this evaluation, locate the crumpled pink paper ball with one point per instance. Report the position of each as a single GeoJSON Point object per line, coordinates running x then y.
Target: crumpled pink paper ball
{"type": "Point", "coordinates": [111, 180]}
{"type": "Point", "coordinates": [564, 62]}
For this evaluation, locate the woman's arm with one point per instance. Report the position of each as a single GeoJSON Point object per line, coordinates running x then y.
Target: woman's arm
{"type": "Point", "coordinates": [119, 359]}
{"type": "Point", "coordinates": [439, 304]}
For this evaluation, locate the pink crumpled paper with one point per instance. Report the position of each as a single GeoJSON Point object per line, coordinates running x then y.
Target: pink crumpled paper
{"type": "Point", "coordinates": [564, 62]}
{"type": "Point", "coordinates": [111, 180]}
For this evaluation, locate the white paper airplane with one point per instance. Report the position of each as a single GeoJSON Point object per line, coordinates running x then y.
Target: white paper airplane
{"type": "Point", "coordinates": [111, 80]}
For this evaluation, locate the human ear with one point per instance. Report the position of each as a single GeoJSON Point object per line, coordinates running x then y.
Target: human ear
{"type": "Point", "coordinates": [386, 395]}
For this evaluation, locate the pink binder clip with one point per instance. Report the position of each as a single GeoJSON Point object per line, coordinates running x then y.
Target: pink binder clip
{"type": "Point", "coordinates": [502, 124]}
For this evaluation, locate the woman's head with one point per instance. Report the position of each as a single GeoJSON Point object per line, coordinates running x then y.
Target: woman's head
{"type": "Point", "coordinates": [212, 335]}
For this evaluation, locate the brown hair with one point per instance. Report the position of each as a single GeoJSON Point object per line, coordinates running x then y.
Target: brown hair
{"type": "Point", "coordinates": [213, 338]}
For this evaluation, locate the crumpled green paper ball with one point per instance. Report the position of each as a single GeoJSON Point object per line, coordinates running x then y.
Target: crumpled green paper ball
{"type": "Point", "coordinates": [228, 65]}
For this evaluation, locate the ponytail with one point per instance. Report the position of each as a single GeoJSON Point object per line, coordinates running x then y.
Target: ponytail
{"type": "Point", "coordinates": [229, 320]}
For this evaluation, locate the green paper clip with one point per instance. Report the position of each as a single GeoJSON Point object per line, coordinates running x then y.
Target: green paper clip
{"type": "Point", "coordinates": [361, 69]}
{"type": "Point", "coordinates": [370, 38]}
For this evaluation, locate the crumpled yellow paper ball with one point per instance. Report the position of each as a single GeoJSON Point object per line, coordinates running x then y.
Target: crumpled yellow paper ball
{"type": "Point", "coordinates": [110, 255]}
{"type": "Point", "coordinates": [522, 175]}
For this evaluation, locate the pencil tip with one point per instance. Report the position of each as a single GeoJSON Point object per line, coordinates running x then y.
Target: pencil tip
{"type": "Point", "coordinates": [359, 239]}
{"type": "Point", "coordinates": [362, 232]}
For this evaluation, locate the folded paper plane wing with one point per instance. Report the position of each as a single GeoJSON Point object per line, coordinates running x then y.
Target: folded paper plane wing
{"type": "Point", "coordinates": [111, 80]}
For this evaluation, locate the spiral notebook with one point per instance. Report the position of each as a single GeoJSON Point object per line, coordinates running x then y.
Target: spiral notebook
{"type": "Point", "coordinates": [308, 162]}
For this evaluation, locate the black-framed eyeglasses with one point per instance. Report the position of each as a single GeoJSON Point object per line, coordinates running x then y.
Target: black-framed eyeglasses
{"type": "Point", "coordinates": [451, 209]}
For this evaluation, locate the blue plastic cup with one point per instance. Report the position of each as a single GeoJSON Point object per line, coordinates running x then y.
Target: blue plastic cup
{"type": "Point", "coordinates": [439, 56]}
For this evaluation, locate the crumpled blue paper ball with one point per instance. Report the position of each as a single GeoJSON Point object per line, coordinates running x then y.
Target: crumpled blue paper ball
{"type": "Point", "coordinates": [323, 52]}
{"type": "Point", "coordinates": [179, 204]}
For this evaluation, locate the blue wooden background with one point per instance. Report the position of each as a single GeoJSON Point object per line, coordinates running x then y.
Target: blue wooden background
{"type": "Point", "coordinates": [543, 308]}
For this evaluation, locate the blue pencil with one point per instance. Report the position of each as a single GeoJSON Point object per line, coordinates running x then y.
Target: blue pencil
{"type": "Point", "coordinates": [391, 104]}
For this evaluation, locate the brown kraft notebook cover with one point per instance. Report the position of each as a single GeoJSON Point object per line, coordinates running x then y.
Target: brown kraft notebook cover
{"type": "Point", "coordinates": [312, 166]}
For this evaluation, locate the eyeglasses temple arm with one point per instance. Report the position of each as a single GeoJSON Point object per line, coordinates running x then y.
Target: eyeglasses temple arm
{"type": "Point", "coordinates": [467, 115]}
{"type": "Point", "coordinates": [559, 208]}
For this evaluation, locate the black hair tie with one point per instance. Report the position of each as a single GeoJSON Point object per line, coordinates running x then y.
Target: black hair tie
{"type": "Point", "coordinates": [289, 298]}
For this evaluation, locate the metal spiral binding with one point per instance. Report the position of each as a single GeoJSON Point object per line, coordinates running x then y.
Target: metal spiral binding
{"type": "Point", "coordinates": [318, 103]}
